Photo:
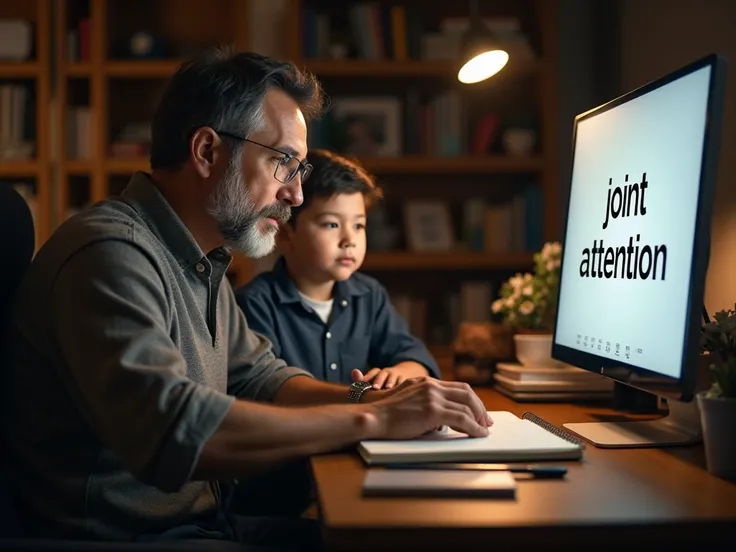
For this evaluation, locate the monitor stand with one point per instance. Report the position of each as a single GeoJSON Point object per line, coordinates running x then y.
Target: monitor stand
{"type": "Point", "coordinates": [681, 426]}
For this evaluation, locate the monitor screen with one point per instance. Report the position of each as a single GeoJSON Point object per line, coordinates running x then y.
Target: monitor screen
{"type": "Point", "coordinates": [635, 243]}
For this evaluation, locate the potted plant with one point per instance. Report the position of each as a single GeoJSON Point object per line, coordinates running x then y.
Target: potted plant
{"type": "Point", "coordinates": [527, 303]}
{"type": "Point", "coordinates": [718, 404]}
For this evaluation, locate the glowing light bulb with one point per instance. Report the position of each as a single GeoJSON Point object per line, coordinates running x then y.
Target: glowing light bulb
{"type": "Point", "coordinates": [483, 66]}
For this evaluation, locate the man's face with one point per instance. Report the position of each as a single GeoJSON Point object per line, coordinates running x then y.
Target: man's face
{"type": "Point", "coordinates": [249, 203]}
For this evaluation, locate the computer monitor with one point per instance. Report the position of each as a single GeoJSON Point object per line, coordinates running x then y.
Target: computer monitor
{"type": "Point", "coordinates": [636, 246]}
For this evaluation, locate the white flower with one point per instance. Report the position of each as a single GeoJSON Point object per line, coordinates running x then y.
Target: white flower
{"type": "Point", "coordinates": [526, 308]}
{"type": "Point", "coordinates": [516, 282]}
{"type": "Point", "coordinates": [510, 303]}
{"type": "Point", "coordinates": [528, 278]}
{"type": "Point", "coordinates": [553, 265]}
{"type": "Point", "coordinates": [528, 290]}
{"type": "Point", "coordinates": [551, 250]}
{"type": "Point", "coordinates": [497, 305]}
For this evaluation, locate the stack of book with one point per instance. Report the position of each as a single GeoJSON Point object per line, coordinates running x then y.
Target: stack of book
{"type": "Point", "coordinates": [550, 383]}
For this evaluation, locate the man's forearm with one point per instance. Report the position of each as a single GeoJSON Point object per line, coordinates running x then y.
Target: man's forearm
{"type": "Point", "coordinates": [305, 391]}
{"type": "Point", "coordinates": [255, 436]}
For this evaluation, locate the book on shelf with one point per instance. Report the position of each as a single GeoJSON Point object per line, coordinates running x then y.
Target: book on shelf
{"type": "Point", "coordinates": [79, 132]}
{"type": "Point", "coordinates": [376, 30]}
{"type": "Point", "coordinates": [436, 320]}
{"type": "Point", "coordinates": [17, 121]}
{"type": "Point", "coordinates": [399, 32]}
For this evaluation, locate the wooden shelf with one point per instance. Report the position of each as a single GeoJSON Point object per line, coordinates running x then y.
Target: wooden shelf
{"type": "Point", "coordinates": [126, 166]}
{"type": "Point", "coordinates": [407, 164]}
{"type": "Point", "coordinates": [77, 69]}
{"type": "Point", "coordinates": [159, 68]}
{"type": "Point", "coordinates": [459, 260]}
{"type": "Point", "coordinates": [19, 169]}
{"type": "Point", "coordinates": [419, 164]}
{"type": "Point", "coordinates": [16, 70]}
{"type": "Point", "coordinates": [77, 166]}
{"type": "Point", "coordinates": [392, 68]}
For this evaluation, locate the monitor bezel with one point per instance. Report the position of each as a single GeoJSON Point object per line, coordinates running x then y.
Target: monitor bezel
{"type": "Point", "coordinates": [684, 387]}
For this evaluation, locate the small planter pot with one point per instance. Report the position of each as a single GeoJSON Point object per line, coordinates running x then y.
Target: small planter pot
{"type": "Point", "coordinates": [718, 420]}
{"type": "Point", "coordinates": [534, 350]}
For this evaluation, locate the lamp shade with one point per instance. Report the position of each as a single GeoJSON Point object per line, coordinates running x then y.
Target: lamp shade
{"type": "Point", "coordinates": [482, 57]}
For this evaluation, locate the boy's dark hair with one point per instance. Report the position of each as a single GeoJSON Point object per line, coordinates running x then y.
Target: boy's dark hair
{"type": "Point", "coordinates": [334, 174]}
{"type": "Point", "coordinates": [224, 91]}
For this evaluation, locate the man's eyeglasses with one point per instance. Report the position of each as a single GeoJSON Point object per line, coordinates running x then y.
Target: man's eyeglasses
{"type": "Point", "coordinates": [288, 165]}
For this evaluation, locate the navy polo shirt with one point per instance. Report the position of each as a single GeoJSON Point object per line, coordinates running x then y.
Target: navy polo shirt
{"type": "Point", "coordinates": [363, 331]}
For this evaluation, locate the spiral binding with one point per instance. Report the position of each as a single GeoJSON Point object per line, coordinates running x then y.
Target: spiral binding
{"type": "Point", "coordinates": [558, 431]}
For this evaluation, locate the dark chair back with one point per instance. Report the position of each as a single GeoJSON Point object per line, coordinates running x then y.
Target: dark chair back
{"type": "Point", "coordinates": [17, 243]}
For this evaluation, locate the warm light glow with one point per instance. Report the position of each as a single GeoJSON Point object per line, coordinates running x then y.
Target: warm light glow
{"type": "Point", "coordinates": [483, 66]}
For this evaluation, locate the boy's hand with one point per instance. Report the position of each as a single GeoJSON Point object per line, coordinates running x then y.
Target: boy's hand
{"type": "Point", "coordinates": [387, 378]}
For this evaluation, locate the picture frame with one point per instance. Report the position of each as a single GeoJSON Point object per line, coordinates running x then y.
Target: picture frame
{"type": "Point", "coordinates": [368, 126]}
{"type": "Point", "coordinates": [428, 226]}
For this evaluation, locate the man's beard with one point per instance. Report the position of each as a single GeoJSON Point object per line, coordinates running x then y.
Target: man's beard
{"type": "Point", "coordinates": [234, 211]}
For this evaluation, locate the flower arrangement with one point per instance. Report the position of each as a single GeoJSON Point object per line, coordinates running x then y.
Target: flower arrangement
{"type": "Point", "coordinates": [528, 301]}
{"type": "Point", "coordinates": [719, 339]}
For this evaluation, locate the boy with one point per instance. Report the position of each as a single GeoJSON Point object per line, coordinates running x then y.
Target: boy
{"type": "Point", "coordinates": [314, 307]}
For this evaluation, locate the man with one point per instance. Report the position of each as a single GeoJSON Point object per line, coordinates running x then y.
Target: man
{"type": "Point", "coordinates": [137, 392]}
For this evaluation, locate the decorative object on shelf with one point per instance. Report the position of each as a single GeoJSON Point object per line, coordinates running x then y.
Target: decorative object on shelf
{"type": "Point", "coordinates": [527, 303]}
{"type": "Point", "coordinates": [133, 141]}
{"type": "Point", "coordinates": [428, 226]}
{"type": "Point", "coordinates": [368, 125]}
{"type": "Point", "coordinates": [338, 51]}
{"type": "Point", "coordinates": [477, 348]}
{"type": "Point", "coordinates": [381, 234]}
{"type": "Point", "coordinates": [16, 39]}
{"type": "Point", "coordinates": [481, 53]}
{"type": "Point", "coordinates": [145, 45]}
{"type": "Point", "coordinates": [141, 44]}
{"type": "Point", "coordinates": [519, 141]}
{"type": "Point", "coordinates": [718, 404]}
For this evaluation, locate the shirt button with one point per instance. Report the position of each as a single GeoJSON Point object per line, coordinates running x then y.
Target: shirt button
{"type": "Point", "coordinates": [344, 303]}
{"type": "Point", "coordinates": [328, 335]}
{"type": "Point", "coordinates": [333, 366]}
{"type": "Point", "coordinates": [199, 267]}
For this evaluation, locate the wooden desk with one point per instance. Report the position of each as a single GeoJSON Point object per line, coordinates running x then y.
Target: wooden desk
{"type": "Point", "coordinates": [611, 498]}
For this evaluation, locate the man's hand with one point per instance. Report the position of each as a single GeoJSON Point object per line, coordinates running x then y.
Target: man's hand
{"type": "Point", "coordinates": [423, 404]}
{"type": "Point", "coordinates": [391, 377]}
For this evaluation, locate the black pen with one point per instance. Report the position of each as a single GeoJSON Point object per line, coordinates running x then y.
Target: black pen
{"type": "Point", "coordinates": [540, 471]}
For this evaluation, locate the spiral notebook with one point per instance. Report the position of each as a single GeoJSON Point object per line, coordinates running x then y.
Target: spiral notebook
{"type": "Point", "coordinates": [511, 439]}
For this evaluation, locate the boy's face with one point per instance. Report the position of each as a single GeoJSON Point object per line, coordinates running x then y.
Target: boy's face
{"type": "Point", "coordinates": [329, 240]}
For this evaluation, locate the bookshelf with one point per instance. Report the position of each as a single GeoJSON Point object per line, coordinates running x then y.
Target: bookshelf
{"type": "Point", "coordinates": [400, 51]}
{"type": "Point", "coordinates": [104, 90]}
{"type": "Point", "coordinates": [25, 146]}
{"type": "Point", "coordinates": [104, 94]}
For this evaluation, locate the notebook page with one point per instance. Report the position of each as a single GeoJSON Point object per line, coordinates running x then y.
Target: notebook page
{"type": "Point", "coordinates": [508, 434]}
